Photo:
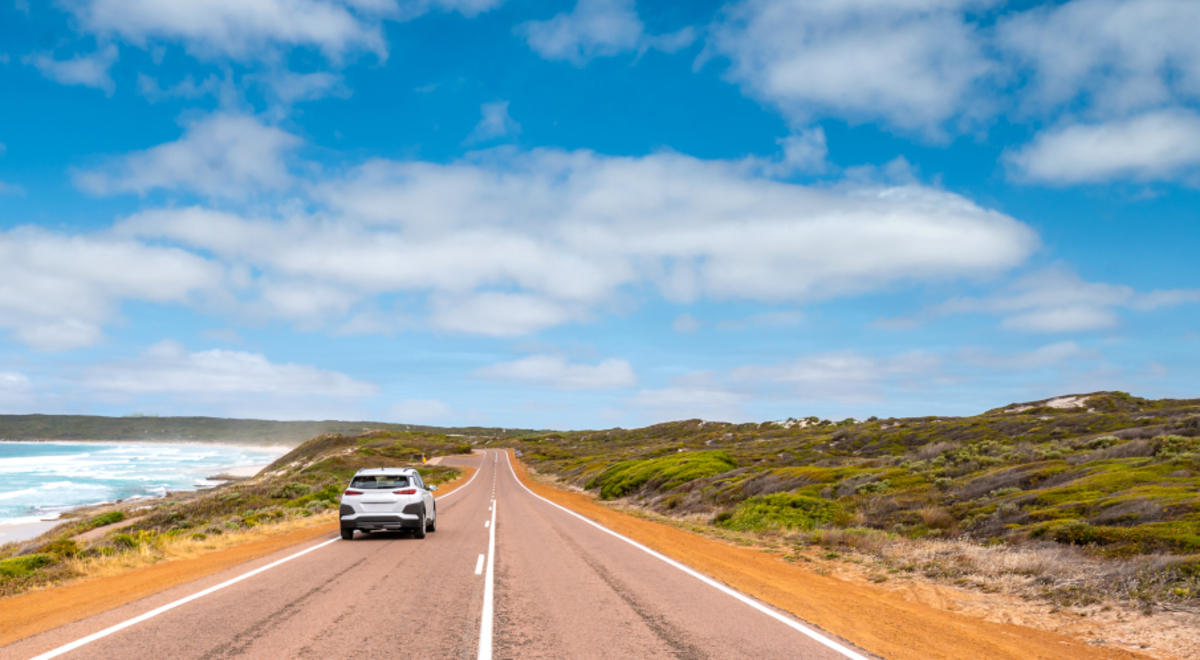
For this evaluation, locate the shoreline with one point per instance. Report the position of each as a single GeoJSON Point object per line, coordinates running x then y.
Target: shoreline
{"type": "Point", "coordinates": [22, 530]}
{"type": "Point", "coordinates": [27, 528]}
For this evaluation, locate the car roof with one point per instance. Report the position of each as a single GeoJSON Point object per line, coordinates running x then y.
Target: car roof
{"type": "Point", "coordinates": [384, 470]}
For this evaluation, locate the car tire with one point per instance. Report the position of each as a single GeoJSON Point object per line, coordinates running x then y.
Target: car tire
{"type": "Point", "coordinates": [347, 533]}
{"type": "Point", "coordinates": [419, 532]}
{"type": "Point", "coordinates": [432, 527]}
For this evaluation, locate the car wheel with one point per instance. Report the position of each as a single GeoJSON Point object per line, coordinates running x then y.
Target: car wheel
{"type": "Point", "coordinates": [347, 533]}
{"type": "Point", "coordinates": [420, 531]}
{"type": "Point", "coordinates": [433, 523]}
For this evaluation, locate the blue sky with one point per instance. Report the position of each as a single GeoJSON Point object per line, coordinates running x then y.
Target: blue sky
{"type": "Point", "coordinates": [595, 213]}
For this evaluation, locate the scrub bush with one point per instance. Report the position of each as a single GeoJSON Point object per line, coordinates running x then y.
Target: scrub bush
{"type": "Point", "coordinates": [783, 511]}
{"type": "Point", "coordinates": [665, 473]}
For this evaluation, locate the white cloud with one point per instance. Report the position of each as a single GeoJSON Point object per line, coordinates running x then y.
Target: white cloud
{"type": "Point", "coordinates": [597, 28]}
{"type": "Point", "coordinates": [554, 371]}
{"type": "Point", "coordinates": [498, 314]}
{"type": "Point", "coordinates": [685, 324]}
{"type": "Point", "coordinates": [241, 29]}
{"type": "Point", "coordinates": [496, 123]}
{"type": "Point", "coordinates": [1166, 298]}
{"type": "Point", "coordinates": [1053, 300]}
{"type": "Point", "coordinates": [168, 368]}
{"type": "Point", "coordinates": [1153, 146]}
{"type": "Point", "coordinates": [16, 392]}
{"type": "Point", "coordinates": [187, 88]}
{"type": "Point", "coordinates": [1051, 355]}
{"type": "Point", "coordinates": [219, 155]}
{"type": "Point", "coordinates": [468, 8]}
{"type": "Point", "coordinates": [1122, 56]}
{"type": "Point", "coordinates": [506, 243]}
{"type": "Point", "coordinates": [11, 189]}
{"type": "Point", "coordinates": [1125, 69]}
{"type": "Point", "coordinates": [914, 64]}
{"type": "Point", "coordinates": [420, 411]}
{"type": "Point", "coordinates": [288, 87]}
{"type": "Point", "coordinates": [844, 376]}
{"type": "Point", "coordinates": [262, 30]}
{"type": "Point", "coordinates": [87, 70]}
{"type": "Point", "coordinates": [805, 151]}
{"type": "Point", "coordinates": [1058, 300]}
{"type": "Point", "coordinates": [697, 395]}
{"type": "Point", "coordinates": [58, 290]}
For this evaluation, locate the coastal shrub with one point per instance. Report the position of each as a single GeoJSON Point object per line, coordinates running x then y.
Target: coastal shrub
{"type": "Point", "coordinates": [937, 518]}
{"type": "Point", "coordinates": [62, 548]}
{"type": "Point", "coordinates": [330, 494]}
{"type": "Point", "coordinates": [21, 566]}
{"type": "Point", "coordinates": [1174, 536]}
{"type": "Point", "coordinates": [783, 511]}
{"type": "Point", "coordinates": [106, 519]}
{"type": "Point", "coordinates": [665, 473]}
{"type": "Point", "coordinates": [1176, 446]}
{"type": "Point", "coordinates": [124, 541]}
{"type": "Point", "coordinates": [873, 487]}
{"type": "Point", "coordinates": [317, 506]}
{"type": "Point", "coordinates": [292, 491]}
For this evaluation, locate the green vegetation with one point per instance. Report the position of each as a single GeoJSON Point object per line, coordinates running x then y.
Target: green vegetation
{"type": "Point", "coordinates": [782, 511]}
{"type": "Point", "coordinates": [103, 519]}
{"type": "Point", "coordinates": [23, 566]}
{"type": "Point", "coordinates": [663, 473]}
{"type": "Point", "coordinates": [1118, 475]}
{"type": "Point", "coordinates": [307, 481]}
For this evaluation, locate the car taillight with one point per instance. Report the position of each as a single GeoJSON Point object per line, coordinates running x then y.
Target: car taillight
{"type": "Point", "coordinates": [406, 491]}
{"type": "Point", "coordinates": [353, 492]}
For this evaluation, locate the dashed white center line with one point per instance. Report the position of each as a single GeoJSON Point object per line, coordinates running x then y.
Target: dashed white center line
{"type": "Point", "coordinates": [485, 624]}
{"type": "Point", "coordinates": [479, 565]}
{"type": "Point", "coordinates": [486, 523]}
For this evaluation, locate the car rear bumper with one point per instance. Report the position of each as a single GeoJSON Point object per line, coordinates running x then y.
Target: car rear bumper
{"type": "Point", "coordinates": [407, 518]}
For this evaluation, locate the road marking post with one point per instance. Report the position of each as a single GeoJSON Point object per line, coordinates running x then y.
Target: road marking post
{"type": "Point", "coordinates": [485, 623]}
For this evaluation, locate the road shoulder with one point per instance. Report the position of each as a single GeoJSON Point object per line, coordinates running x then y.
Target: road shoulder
{"type": "Point", "coordinates": [874, 619]}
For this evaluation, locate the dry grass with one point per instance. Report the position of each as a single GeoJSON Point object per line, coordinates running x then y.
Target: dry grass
{"type": "Point", "coordinates": [164, 548]}
{"type": "Point", "coordinates": [1134, 603]}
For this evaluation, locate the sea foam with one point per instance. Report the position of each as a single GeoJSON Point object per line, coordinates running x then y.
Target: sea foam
{"type": "Point", "coordinates": [42, 480]}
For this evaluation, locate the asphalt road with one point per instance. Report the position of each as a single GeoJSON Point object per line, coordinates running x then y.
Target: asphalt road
{"type": "Point", "coordinates": [560, 588]}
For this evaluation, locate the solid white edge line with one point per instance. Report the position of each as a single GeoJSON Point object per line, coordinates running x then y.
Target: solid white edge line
{"type": "Point", "coordinates": [199, 594]}
{"type": "Point", "coordinates": [170, 606]}
{"type": "Point", "coordinates": [700, 576]}
{"type": "Point", "coordinates": [479, 566]}
{"type": "Point", "coordinates": [485, 619]}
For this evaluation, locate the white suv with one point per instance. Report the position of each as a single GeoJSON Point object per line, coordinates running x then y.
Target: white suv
{"type": "Point", "coordinates": [388, 499]}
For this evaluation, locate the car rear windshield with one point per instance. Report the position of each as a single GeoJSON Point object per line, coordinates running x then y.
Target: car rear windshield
{"type": "Point", "coordinates": [380, 481]}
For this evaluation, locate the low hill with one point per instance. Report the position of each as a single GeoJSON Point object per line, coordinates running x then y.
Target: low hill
{"type": "Point", "coordinates": [203, 429]}
{"type": "Point", "coordinates": [1106, 470]}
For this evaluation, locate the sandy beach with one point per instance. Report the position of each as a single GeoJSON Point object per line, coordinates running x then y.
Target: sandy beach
{"type": "Point", "coordinates": [20, 531]}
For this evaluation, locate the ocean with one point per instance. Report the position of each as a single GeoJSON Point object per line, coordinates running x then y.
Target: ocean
{"type": "Point", "coordinates": [41, 480]}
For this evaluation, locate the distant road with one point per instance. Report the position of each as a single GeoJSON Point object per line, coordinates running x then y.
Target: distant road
{"type": "Point", "coordinates": [554, 587]}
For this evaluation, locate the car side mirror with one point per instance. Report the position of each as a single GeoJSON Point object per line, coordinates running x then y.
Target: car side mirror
{"type": "Point", "coordinates": [432, 488]}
